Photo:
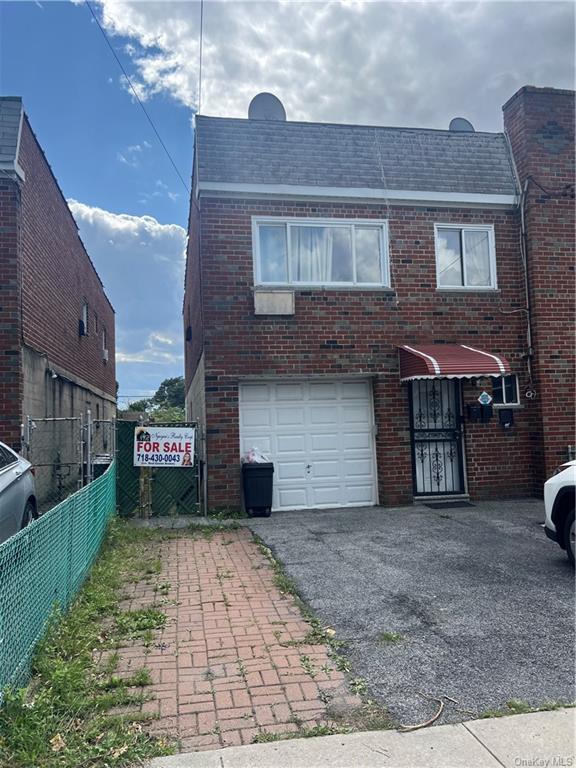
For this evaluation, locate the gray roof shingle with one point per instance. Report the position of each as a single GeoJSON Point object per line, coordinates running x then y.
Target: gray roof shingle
{"type": "Point", "coordinates": [329, 155]}
{"type": "Point", "coordinates": [10, 116]}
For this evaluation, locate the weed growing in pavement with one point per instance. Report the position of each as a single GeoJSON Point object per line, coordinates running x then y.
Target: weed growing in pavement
{"type": "Point", "coordinates": [207, 530]}
{"type": "Point", "coordinates": [389, 637]}
{"type": "Point", "coordinates": [63, 719]}
{"type": "Point", "coordinates": [307, 666]}
{"type": "Point", "coordinates": [302, 733]}
{"type": "Point", "coordinates": [370, 715]}
{"type": "Point", "coordinates": [163, 588]}
{"type": "Point", "coordinates": [519, 707]}
{"type": "Point", "coordinates": [134, 624]}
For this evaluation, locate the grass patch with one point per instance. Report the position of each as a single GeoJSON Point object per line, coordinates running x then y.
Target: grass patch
{"type": "Point", "coordinates": [302, 733]}
{"type": "Point", "coordinates": [63, 719]}
{"type": "Point", "coordinates": [384, 638]}
{"type": "Point", "coordinates": [519, 707]}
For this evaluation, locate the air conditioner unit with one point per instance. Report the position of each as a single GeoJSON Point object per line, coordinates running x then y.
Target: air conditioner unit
{"type": "Point", "coordinates": [105, 355]}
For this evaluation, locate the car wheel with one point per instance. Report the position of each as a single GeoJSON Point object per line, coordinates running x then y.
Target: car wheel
{"type": "Point", "coordinates": [569, 534]}
{"type": "Point", "coordinates": [29, 514]}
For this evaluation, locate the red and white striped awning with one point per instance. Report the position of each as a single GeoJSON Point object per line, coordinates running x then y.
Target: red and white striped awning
{"type": "Point", "coordinates": [449, 361]}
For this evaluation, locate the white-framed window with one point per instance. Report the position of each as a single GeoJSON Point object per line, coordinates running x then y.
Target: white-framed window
{"type": "Point", "coordinates": [465, 256]}
{"type": "Point", "coordinates": [327, 252]}
{"type": "Point", "coordinates": [505, 390]}
{"type": "Point", "coordinates": [104, 340]}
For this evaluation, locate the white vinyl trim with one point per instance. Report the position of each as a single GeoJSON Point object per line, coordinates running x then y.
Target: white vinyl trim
{"type": "Point", "coordinates": [428, 357]}
{"type": "Point", "coordinates": [392, 196]}
{"type": "Point", "coordinates": [488, 354]}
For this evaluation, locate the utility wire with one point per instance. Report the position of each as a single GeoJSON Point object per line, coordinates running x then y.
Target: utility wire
{"type": "Point", "coordinates": [164, 147]}
{"type": "Point", "coordinates": [200, 56]}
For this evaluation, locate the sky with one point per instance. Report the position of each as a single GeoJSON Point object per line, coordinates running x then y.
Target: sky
{"type": "Point", "coordinates": [385, 63]}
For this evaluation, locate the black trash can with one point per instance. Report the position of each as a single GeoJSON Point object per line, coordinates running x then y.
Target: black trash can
{"type": "Point", "coordinates": [257, 487]}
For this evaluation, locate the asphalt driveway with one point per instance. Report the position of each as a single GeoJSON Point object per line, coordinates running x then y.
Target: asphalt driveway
{"type": "Point", "coordinates": [482, 601]}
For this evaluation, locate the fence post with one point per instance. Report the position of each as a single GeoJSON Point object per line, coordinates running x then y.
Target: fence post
{"type": "Point", "coordinates": [88, 446]}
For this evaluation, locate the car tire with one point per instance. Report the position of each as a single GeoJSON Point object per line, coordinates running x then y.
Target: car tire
{"type": "Point", "coordinates": [569, 531]}
{"type": "Point", "coordinates": [29, 514]}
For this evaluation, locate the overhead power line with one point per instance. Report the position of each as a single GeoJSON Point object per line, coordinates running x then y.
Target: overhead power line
{"type": "Point", "coordinates": [129, 81]}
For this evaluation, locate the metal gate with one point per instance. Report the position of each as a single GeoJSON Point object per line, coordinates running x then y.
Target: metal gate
{"type": "Point", "coordinates": [436, 436]}
{"type": "Point", "coordinates": [168, 491]}
{"type": "Point", "coordinates": [67, 453]}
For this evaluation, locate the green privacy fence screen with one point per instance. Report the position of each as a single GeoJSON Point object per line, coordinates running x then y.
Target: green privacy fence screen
{"type": "Point", "coordinates": [44, 566]}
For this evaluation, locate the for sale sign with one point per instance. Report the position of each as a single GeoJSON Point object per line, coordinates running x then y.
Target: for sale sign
{"type": "Point", "coordinates": [164, 446]}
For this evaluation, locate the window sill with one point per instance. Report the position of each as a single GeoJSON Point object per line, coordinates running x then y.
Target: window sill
{"type": "Point", "coordinates": [512, 406]}
{"type": "Point", "coordinates": [468, 290]}
{"type": "Point", "coordinates": [318, 287]}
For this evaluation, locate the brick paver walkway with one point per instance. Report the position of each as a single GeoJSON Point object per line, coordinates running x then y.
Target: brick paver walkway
{"type": "Point", "coordinates": [230, 662]}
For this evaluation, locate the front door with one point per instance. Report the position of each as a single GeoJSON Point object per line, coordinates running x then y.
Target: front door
{"type": "Point", "coordinates": [436, 431]}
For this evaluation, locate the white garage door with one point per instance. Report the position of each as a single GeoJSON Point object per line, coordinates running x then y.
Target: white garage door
{"type": "Point", "coordinates": [320, 437]}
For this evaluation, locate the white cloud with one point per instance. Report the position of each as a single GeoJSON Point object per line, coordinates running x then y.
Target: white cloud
{"type": "Point", "coordinates": [392, 63]}
{"type": "Point", "coordinates": [131, 155]}
{"type": "Point", "coordinates": [141, 263]}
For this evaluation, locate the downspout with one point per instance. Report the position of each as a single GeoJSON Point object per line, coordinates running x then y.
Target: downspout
{"type": "Point", "coordinates": [524, 253]}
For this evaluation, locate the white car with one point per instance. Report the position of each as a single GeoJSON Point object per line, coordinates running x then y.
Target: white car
{"type": "Point", "coordinates": [559, 493]}
{"type": "Point", "coordinates": [17, 494]}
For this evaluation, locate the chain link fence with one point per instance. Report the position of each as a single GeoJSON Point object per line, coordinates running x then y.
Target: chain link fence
{"type": "Point", "coordinates": [44, 566]}
{"type": "Point", "coordinates": [67, 453]}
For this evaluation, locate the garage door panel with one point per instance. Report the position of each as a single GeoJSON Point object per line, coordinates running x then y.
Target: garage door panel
{"type": "Point", "coordinates": [289, 415]}
{"type": "Point", "coordinates": [356, 414]}
{"type": "Point", "coordinates": [324, 441]}
{"type": "Point", "coordinates": [319, 436]}
{"type": "Point", "coordinates": [355, 390]}
{"type": "Point", "coordinates": [290, 444]}
{"type": "Point", "coordinates": [327, 496]}
{"type": "Point", "coordinates": [357, 468]}
{"type": "Point", "coordinates": [255, 393]}
{"type": "Point", "coordinates": [290, 470]}
{"type": "Point", "coordinates": [326, 469]}
{"type": "Point", "coordinates": [360, 494]}
{"type": "Point", "coordinates": [256, 417]}
{"type": "Point", "coordinates": [357, 441]}
{"type": "Point", "coordinates": [288, 392]}
{"type": "Point", "coordinates": [323, 414]}
{"type": "Point", "coordinates": [292, 498]}
{"type": "Point", "coordinates": [324, 391]}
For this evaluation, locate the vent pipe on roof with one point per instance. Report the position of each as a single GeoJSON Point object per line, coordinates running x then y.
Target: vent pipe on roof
{"type": "Point", "coordinates": [461, 125]}
{"type": "Point", "coordinates": [266, 106]}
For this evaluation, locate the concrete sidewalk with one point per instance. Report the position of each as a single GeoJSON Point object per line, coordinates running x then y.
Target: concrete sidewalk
{"type": "Point", "coordinates": [544, 739]}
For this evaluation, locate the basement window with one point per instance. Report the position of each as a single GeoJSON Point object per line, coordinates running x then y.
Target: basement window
{"type": "Point", "coordinates": [465, 257]}
{"type": "Point", "coordinates": [505, 390]}
{"type": "Point", "coordinates": [327, 252]}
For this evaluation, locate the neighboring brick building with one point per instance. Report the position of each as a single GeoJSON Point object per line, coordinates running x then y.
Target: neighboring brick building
{"type": "Point", "coordinates": [352, 291]}
{"type": "Point", "coordinates": [56, 324]}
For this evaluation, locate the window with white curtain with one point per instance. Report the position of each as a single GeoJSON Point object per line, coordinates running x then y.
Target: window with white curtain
{"type": "Point", "coordinates": [320, 252]}
{"type": "Point", "coordinates": [465, 256]}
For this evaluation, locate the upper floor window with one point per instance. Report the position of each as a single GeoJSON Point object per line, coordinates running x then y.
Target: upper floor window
{"type": "Point", "coordinates": [83, 325]}
{"type": "Point", "coordinates": [465, 256]}
{"type": "Point", "coordinates": [320, 252]}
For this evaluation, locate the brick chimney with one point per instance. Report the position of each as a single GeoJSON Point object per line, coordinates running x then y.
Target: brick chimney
{"type": "Point", "coordinates": [540, 125]}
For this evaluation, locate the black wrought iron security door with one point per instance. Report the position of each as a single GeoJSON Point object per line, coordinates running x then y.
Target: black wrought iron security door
{"type": "Point", "coordinates": [436, 424]}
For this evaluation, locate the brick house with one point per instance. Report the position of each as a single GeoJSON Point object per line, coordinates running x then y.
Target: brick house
{"type": "Point", "coordinates": [354, 293]}
{"type": "Point", "coordinates": [56, 323]}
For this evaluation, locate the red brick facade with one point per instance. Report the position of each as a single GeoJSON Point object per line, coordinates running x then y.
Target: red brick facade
{"type": "Point", "coordinates": [340, 332]}
{"type": "Point", "coordinates": [46, 275]}
{"type": "Point", "coordinates": [10, 315]}
{"type": "Point", "coordinates": [540, 124]}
